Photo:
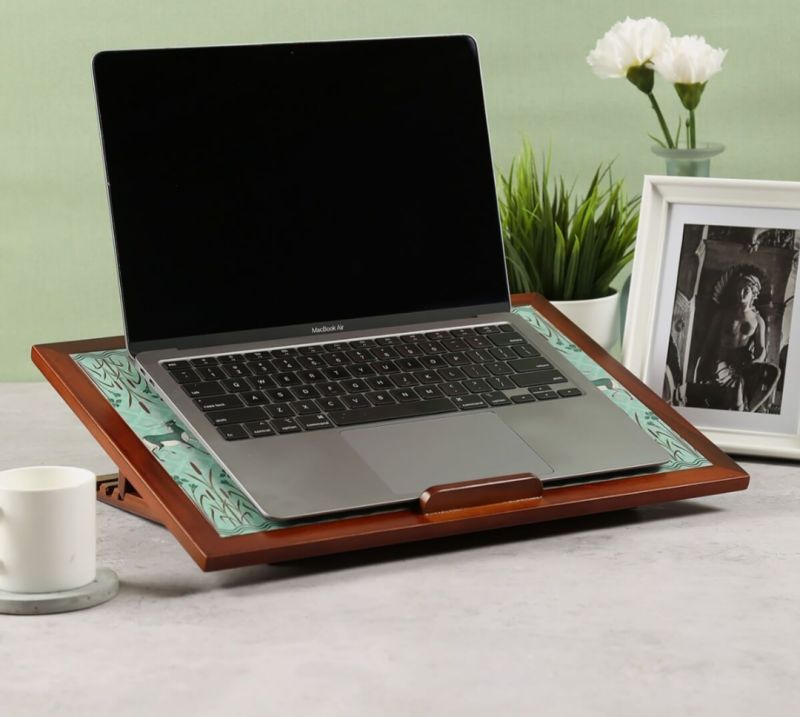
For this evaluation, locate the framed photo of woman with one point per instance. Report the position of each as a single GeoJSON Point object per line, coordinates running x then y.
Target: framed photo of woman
{"type": "Point", "coordinates": [711, 324]}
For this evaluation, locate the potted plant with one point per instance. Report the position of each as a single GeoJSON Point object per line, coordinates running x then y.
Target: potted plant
{"type": "Point", "coordinates": [567, 246]}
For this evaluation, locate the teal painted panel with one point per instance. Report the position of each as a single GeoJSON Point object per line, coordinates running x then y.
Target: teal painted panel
{"type": "Point", "coordinates": [218, 498]}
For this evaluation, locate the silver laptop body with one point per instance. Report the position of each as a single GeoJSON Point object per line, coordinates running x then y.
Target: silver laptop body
{"type": "Point", "coordinates": [219, 255]}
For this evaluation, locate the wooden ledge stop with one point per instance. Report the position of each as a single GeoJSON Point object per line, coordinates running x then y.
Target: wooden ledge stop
{"type": "Point", "coordinates": [484, 491]}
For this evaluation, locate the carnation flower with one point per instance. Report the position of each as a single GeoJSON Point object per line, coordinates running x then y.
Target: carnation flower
{"type": "Point", "coordinates": [688, 60]}
{"type": "Point", "coordinates": [628, 44]}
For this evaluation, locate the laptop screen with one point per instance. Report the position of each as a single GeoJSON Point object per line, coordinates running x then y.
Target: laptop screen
{"type": "Point", "coordinates": [280, 185]}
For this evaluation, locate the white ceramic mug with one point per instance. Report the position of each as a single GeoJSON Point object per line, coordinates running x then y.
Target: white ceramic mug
{"type": "Point", "coordinates": [47, 529]}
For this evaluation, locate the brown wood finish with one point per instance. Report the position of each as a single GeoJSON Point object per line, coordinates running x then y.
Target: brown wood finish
{"type": "Point", "coordinates": [150, 492]}
{"type": "Point", "coordinates": [472, 493]}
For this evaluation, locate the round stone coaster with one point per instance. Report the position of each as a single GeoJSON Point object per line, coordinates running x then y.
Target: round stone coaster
{"type": "Point", "coordinates": [104, 587]}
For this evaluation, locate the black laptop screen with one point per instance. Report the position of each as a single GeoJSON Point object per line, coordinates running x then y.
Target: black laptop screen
{"type": "Point", "coordinates": [276, 185]}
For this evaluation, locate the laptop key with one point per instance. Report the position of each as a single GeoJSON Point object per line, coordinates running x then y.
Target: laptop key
{"type": "Point", "coordinates": [175, 365]}
{"type": "Point", "coordinates": [409, 364]}
{"type": "Point", "coordinates": [454, 344]}
{"type": "Point", "coordinates": [236, 370]}
{"type": "Point", "coordinates": [476, 385]}
{"type": "Point", "coordinates": [503, 353]}
{"type": "Point", "coordinates": [280, 395]}
{"type": "Point", "coordinates": [315, 422]}
{"type": "Point", "coordinates": [388, 341]}
{"type": "Point", "coordinates": [218, 403]}
{"type": "Point", "coordinates": [569, 392]}
{"type": "Point", "coordinates": [384, 367]}
{"type": "Point", "coordinates": [204, 361]}
{"type": "Point", "coordinates": [501, 383]}
{"type": "Point", "coordinates": [231, 358]}
{"type": "Point", "coordinates": [427, 377]}
{"type": "Point", "coordinates": [331, 404]}
{"type": "Point", "coordinates": [403, 380]}
{"type": "Point", "coordinates": [312, 376]}
{"type": "Point", "coordinates": [287, 379]}
{"type": "Point", "coordinates": [530, 364]}
{"type": "Point", "coordinates": [434, 362]}
{"type": "Point", "coordinates": [546, 395]}
{"type": "Point", "coordinates": [232, 433]}
{"type": "Point", "coordinates": [312, 362]}
{"type": "Point", "coordinates": [261, 382]}
{"type": "Point", "coordinates": [355, 385]}
{"type": "Point", "coordinates": [523, 398]}
{"type": "Point", "coordinates": [477, 342]}
{"type": "Point", "coordinates": [479, 356]}
{"type": "Point", "coordinates": [453, 389]}
{"type": "Point", "coordinates": [285, 425]}
{"type": "Point", "coordinates": [524, 351]}
{"type": "Point", "coordinates": [409, 350]}
{"type": "Point", "coordinates": [457, 359]}
{"type": "Point", "coordinates": [206, 388]}
{"type": "Point", "coordinates": [302, 408]}
{"type": "Point", "coordinates": [185, 375]}
{"type": "Point", "coordinates": [391, 412]}
{"type": "Point", "coordinates": [487, 329]}
{"type": "Point", "coordinates": [280, 410]}
{"type": "Point", "coordinates": [379, 398]}
{"type": "Point", "coordinates": [259, 429]}
{"type": "Point", "coordinates": [283, 353]}
{"type": "Point", "coordinates": [437, 335]}
{"type": "Point", "coordinates": [236, 385]}
{"type": "Point", "coordinates": [304, 393]}
{"type": "Point", "coordinates": [286, 364]}
{"type": "Point", "coordinates": [537, 378]}
{"type": "Point", "coordinates": [384, 353]}
{"type": "Point", "coordinates": [362, 369]}
{"type": "Point", "coordinates": [428, 392]}
{"type": "Point", "coordinates": [452, 374]}
{"type": "Point", "coordinates": [461, 333]}
{"type": "Point", "coordinates": [235, 415]}
{"type": "Point", "coordinates": [469, 402]}
{"type": "Point", "coordinates": [500, 368]}
{"type": "Point", "coordinates": [330, 389]}
{"type": "Point", "coordinates": [379, 383]}
{"type": "Point", "coordinates": [337, 374]}
{"type": "Point", "coordinates": [404, 395]}
{"type": "Point", "coordinates": [504, 338]}
{"type": "Point", "coordinates": [210, 373]}
{"type": "Point", "coordinates": [362, 344]}
{"type": "Point", "coordinates": [506, 327]}
{"type": "Point", "coordinates": [253, 398]}
{"type": "Point", "coordinates": [496, 398]}
{"type": "Point", "coordinates": [356, 401]}
{"type": "Point", "coordinates": [311, 350]}
{"type": "Point", "coordinates": [476, 371]}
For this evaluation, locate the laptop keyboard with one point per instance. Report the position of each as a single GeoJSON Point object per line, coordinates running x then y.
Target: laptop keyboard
{"type": "Point", "coordinates": [308, 388]}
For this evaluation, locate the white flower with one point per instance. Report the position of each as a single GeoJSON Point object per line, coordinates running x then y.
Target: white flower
{"type": "Point", "coordinates": [628, 44]}
{"type": "Point", "coordinates": [688, 60]}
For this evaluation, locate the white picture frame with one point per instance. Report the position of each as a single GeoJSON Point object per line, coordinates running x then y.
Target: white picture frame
{"type": "Point", "coordinates": [710, 317]}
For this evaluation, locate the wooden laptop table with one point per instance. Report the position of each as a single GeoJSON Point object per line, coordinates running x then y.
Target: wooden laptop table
{"type": "Point", "coordinates": [143, 486]}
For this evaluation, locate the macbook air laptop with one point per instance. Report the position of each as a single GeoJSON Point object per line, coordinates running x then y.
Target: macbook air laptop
{"type": "Point", "coordinates": [313, 278]}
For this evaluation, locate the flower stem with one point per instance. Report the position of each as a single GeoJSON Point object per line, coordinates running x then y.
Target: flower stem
{"type": "Point", "coordinates": [692, 130]}
{"type": "Point", "coordinates": [661, 121]}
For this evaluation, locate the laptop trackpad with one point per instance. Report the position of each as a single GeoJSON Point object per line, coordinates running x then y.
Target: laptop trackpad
{"type": "Point", "coordinates": [410, 457]}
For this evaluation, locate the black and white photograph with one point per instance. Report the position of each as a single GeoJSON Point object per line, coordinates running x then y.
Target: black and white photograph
{"type": "Point", "coordinates": [731, 318]}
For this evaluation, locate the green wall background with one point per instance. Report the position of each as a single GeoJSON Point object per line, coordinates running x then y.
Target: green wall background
{"type": "Point", "coordinates": [57, 274]}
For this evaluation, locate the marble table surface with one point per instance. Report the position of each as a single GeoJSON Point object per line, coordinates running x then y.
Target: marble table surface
{"type": "Point", "coordinates": [682, 608]}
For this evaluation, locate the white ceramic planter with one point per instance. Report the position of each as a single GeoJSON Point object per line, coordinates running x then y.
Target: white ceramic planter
{"type": "Point", "coordinates": [600, 318]}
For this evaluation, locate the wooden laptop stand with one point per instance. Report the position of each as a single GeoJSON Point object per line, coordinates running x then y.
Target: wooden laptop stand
{"type": "Point", "coordinates": [144, 488]}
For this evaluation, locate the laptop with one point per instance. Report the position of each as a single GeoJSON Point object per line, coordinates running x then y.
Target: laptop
{"type": "Point", "coordinates": [312, 274]}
